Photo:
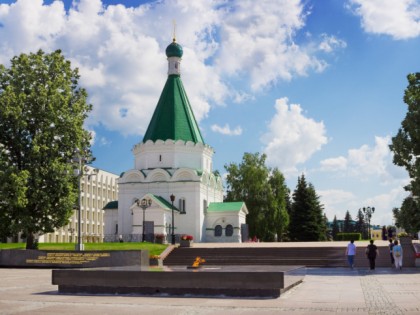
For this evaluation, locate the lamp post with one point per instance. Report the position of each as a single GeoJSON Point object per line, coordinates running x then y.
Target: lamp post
{"type": "Point", "coordinates": [368, 211]}
{"type": "Point", "coordinates": [144, 204]}
{"type": "Point", "coordinates": [79, 172]}
{"type": "Point", "coordinates": [173, 232]}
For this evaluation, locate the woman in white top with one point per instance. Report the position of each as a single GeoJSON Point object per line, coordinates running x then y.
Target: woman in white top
{"type": "Point", "coordinates": [351, 252]}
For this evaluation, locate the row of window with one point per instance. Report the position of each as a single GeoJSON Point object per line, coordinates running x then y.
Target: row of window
{"type": "Point", "coordinates": [218, 230]}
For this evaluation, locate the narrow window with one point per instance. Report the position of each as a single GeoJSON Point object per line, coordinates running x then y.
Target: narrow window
{"type": "Point", "coordinates": [160, 158]}
{"type": "Point", "coordinates": [218, 231]}
{"type": "Point", "coordinates": [229, 230]}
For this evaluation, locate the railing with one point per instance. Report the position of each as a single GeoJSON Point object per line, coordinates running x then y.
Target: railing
{"type": "Point", "coordinates": [150, 237]}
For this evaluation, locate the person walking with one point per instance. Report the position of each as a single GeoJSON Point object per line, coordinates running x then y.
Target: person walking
{"type": "Point", "coordinates": [351, 252]}
{"type": "Point", "coordinates": [371, 253]}
{"type": "Point", "coordinates": [391, 245]}
{"type": "Point", "coordinates": [397, 252]}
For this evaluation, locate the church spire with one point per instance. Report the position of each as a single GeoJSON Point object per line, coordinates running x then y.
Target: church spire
{"type": "Point", "coordinates": [173, 117]}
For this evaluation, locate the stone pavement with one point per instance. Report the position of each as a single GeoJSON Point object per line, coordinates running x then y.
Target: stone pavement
{"type": "Point", "coordinates": [323, 291]}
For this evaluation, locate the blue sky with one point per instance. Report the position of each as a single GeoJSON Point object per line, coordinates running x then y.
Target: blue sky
{"type": "Point", "coordinates": [316, 85]}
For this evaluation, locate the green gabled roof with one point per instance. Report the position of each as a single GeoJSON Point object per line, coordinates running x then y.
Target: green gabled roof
{"type": "Point", "coordinates": [111, 205]}
{"type": "Point", "coordinates": [163, 203]}
{"type": "Point", "coordinates": [225, 206]}
{"type": "Point", "coordinates": [173, 117]}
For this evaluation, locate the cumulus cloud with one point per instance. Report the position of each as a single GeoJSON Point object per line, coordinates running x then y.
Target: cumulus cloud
{"type": "Point", "coordinates": [292, 137]}
{"type": "Point", "coordinates": [398, 19]}
{"type": "Point", "coordinates": [331, 43]}
{"type": "Point", "coordinates": [367, 161]}
{"type": "Point", "coordinates": [226, 130]}
{"type": "Point", "coordinates": [120, 50]}
{"type": "Point", "coordinates": [336, 202]}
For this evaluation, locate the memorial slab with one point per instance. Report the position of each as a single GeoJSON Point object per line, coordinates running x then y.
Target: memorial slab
{"type": "Point", "coordinates": [237, 281]}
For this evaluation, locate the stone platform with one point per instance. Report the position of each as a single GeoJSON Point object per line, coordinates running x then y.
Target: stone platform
{"type": "Point", "coordinates": [233, 281]}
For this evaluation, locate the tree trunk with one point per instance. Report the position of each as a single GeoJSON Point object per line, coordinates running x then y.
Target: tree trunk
{"type": "Point", "coordinates": [30, 241]}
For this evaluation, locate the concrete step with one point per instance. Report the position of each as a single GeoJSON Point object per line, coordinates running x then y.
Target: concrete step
{"type": "Point", "coordinates": [310, 256]}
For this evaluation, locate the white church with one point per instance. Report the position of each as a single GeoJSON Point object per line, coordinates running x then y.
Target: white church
{"type": "Point", "coordinates": [172, 190]}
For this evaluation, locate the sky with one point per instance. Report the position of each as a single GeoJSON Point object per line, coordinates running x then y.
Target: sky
{"type": "Point", "coordinates": [316, 85]}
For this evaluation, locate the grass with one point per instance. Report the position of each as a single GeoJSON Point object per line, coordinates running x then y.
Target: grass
{"type": "Point", "coordinates": [154, 249]}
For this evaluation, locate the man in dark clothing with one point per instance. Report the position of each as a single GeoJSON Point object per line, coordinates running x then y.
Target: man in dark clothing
{"type": "Point", "coordinates": [371, 253]}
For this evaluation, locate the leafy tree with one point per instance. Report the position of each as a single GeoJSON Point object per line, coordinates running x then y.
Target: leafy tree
{"type": "Point", "coordinates": [406, 144]}
{"type": "Point", "coordinates": [280, 193]}
{"type": "Point", "coordinates": [335, 228]}
{"type": "Point", "coordinates": [42, 111]}
{"type": "Point", "coordinates": [306, 221]}
{"type": "Point", "coordinates": [360, 226]}
{"type": "Point", "coordinates": [347, 225]}
{"type": "Point", "coordinates": [408, 217]}
{"type": "Point", "coordinates": [264, 192]}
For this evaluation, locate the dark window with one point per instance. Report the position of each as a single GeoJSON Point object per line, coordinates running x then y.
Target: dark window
{"type": "Point", "coordinates": [218, 230]}
{"type": "Point", "coordinates": [229, 230]}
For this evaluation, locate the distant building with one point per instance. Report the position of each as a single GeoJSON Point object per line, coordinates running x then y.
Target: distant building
{"type": "Point", "coordinates": [96, 192]}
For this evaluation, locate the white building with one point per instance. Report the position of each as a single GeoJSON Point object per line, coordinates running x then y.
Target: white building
{"type": "Point", "coordinates": [96, 192]}
{"type": "Point", "coordinates": [174, 161]}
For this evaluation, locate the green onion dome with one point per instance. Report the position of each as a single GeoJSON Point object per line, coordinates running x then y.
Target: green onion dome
{"type": "Point", "coordinates": [174, 50]}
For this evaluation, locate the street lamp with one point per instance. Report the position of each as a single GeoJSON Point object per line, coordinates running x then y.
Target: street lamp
{"type": "Point", "coordinates": [79, 172]}
{"type": "Point", "coordinates": [173, 232]}
{"type": "Point", "coordinates": [368, 211]}
{"type": "Point", "coordinates": [144, 204]}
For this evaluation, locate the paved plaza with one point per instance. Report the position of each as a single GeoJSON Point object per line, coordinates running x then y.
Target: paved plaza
{"type": "Point", "coordinates": [323, 291]}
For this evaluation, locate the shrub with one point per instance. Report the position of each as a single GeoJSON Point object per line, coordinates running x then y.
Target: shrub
{"type": "Point", "coordinates": [348, 236]}
{"type": "Point", "coordinates": [402, 234]}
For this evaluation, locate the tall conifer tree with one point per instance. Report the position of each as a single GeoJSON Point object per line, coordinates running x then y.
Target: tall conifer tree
{"type": "Point", "coordinates": [307, 220]}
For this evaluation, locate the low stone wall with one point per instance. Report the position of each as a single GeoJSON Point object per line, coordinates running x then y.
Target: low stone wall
{"type": "Point", "coordinates": [72, 259]}
{"type": "Point", "coordinates": [236, 281]}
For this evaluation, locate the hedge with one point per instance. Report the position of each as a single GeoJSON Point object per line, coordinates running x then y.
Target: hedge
{"type": "Point", "coordinates": [348, 236]}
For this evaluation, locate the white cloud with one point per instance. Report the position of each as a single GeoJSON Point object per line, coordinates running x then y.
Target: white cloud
{"type": "Point", "coordinates": [399, 19]}
{"type": "Point", "coordinates": [257, 38]}
{"type": "Point", "coordinates": [336, 202]}
{"type": "Point", "coordinates": [367, 161]}
{"type": "Point", "coordinates": [331, 43]}
{"type": "Point", "coordinates": [226, 130]}
{"type": "Point", "coordinates": [292, 138]}
{"type": "Point", "coordinates": [334, 164]}
{"type": "Point", "coordinates": [120, 51]}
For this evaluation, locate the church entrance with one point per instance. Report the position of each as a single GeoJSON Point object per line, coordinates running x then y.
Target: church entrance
{"type": "Point", "coordinates": [149, 230]}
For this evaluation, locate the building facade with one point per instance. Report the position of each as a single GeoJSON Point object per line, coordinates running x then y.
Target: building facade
{"type": "Point", "coordinates": [96, 192]}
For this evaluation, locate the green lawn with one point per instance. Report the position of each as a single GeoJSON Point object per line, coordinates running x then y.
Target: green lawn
{"type": "Point", "coordinates": [154, 249]}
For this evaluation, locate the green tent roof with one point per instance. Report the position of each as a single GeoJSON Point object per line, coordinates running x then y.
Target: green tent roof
{"type": "Point", "coordinates": [173, 117]}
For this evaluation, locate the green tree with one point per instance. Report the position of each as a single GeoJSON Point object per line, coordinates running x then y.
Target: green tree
{"type": "Point", "coordinates": [42, 111]}
{"type": "Point", "coordinates": [408, 216]}
{"type": "Point", "coordinates": [347, 225]}
{"type": "Point", "coordinates": [406, 144]}
{"type": "Point", "coordinates": [360, 226]}
{"type": "Point", "coordinates": [335, 228]}
{"type": "Point", "coordinates": [264, 192]}
{"type": "Point", "coordinates": [306, 220]}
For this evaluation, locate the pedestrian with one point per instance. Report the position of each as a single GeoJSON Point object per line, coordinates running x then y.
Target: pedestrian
{"type": "Point", "coordinates": [391, 245]}
{"type": "Point", "coordinates": [397, 251]}
{"type": "Point", "coordinates": [371, 253]}
{"type": "Point", "coordinates": [351, 252]}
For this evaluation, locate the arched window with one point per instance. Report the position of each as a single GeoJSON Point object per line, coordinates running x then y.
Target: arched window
{"type": "Point", "coordinates": [229, 230]}
{"type": "Point", "coordinates": [218, 231]}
